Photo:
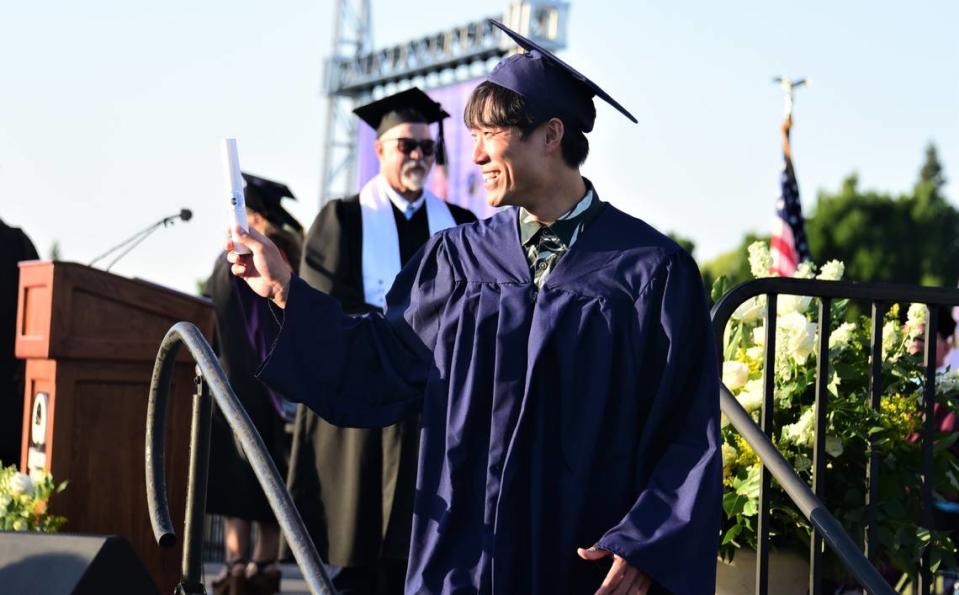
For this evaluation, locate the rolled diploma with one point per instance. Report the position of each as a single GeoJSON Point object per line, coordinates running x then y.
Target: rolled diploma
{"type": "Point", "coordinates": [234, 182]}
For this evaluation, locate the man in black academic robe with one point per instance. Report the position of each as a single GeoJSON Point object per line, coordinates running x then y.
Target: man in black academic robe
{"type": "Point", "coordinates": [244, 331]}
{"type": "Point", "coordinates": [561, 355]}
{"type": "Point", "coordinates": [354, 487]}
{"type": "Point", "coordinates": [15, 246]}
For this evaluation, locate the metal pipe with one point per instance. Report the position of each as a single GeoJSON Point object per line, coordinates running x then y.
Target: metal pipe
{"type": "Point", "coordinates": [928, 428]}
{"type": "Point", "coordinates": [155, 463]}
{"type": "Point", "coordinates": [819, 446]}
{"type": "Point", "coordinates": [766, 423]}
{"type": "Point", "coordinates": [249, 439]}
{"type": "Point", "coordinates": [192, 566]}
{"type": "Point", "coordinates": [870, 536]}
{"type": "Point", "coordinates": [807, 502]}
{"type": "Point", "coordinates": [821, 520]}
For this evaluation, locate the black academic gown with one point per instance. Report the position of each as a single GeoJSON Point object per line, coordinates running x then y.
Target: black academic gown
{"type": "Point", "coordinates": [233, 489]}
{"type": "Point", "coordinates": [15, 246]}
{"type": "Point", "coordinates": [583, 413]}
{"type": "Point", "coordinates": [354, 487]}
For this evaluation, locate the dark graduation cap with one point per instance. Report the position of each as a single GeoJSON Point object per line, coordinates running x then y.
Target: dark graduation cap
{"type": "Point", "coordinates": [551, 87]}
{"type": "Point", "coordinates": [264, 196]}
{"type": "Point", "coordinates": [411, 106]}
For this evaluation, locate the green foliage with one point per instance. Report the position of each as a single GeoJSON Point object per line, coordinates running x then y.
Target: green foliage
{"type": "Point", "coordinates": [24, 501]}
{"type": "Point", "coordinates": [733, 266]}
{"type": "Point", "coordinates": [912, 238]}
{"type": "Point", "coordinates": [685, 243]}
{"type": "Point", "coordinates": [851, 425]}
{"type": "Point", "coordinates": [55, 251]}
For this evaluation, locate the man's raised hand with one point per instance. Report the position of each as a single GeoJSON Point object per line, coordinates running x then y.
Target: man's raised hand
{"type": "Point", "coordinates": [264, 269]}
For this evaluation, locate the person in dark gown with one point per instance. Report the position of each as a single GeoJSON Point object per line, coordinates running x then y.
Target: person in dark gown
{"type": "Point", "coordinates": [560, 354]}
{"type": "Point", "coordinates": [354, 487]}
{"type": "Point", "coordinates": [15, 247]}
{"type": "Point", "coordinates": [244, 331]}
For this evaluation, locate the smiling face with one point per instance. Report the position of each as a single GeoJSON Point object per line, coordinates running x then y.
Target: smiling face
{"type": "Point", "coordinates": [509, 163]}
{"type": "Point", "coordinates": [405, 173]}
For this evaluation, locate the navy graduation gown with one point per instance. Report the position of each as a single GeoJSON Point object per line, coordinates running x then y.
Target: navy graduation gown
{"type": "Point", "coordinates": [586, 412]}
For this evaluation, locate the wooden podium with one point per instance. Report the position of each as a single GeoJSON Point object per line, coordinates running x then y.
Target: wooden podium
{"type": "Point", "coordinates": [89, 339]}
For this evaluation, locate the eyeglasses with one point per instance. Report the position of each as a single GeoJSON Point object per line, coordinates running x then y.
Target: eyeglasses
{"type": "Point", "coordinates": [407, 145]}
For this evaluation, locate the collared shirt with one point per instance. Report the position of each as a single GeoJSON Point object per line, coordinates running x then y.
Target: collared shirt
{"type": "Point", "coordinates": [402, 205]}
{"type": "Point", "coordinates": [546, 244]}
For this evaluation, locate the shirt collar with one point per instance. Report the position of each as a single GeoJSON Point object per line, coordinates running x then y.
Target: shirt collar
{"type": "Point", "coordinates": [564, 227]}
{"type": "Point", "coordinates": [407, 208]}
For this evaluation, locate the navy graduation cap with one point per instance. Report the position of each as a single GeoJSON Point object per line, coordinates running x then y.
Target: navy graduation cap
{"type": "Point", "coordinates": [263, 196]}
{"type": "Point", "coordinates": [551, 87]}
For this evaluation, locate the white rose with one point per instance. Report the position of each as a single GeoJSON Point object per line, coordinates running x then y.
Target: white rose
{"type": "Point", "coordinates": [735, 374]}
{"type": "Point", "coordinates": [947, 383]}
{"type": "Point", "coordinates": [802, 432]}
{"type": "Point", "coordinates": [19, 484]}
{"type": "Point", "coordinates": [760, 260]}
{"type": "Point", "coordinates": [805, 270]}
{"type": "Point", "coordinates": [750, 311]}
{"type": "Point", "coordinates": [755, 353]}
{"type": "Point", "coordinates": [916, 320]}
{"type": "Point", "coordinates": [787, 304]}
{"type": "Point", "coordinates": [4, 503]}
{"type": "Point", "coordinates": [833, 445]}
{"type": "Point", "coordinates": [19, 525]}
{"type": "Point", "coordinates": [832, 271]}
{"type": "Point", "coordinates": [842, 335]}
{"type": "Point", "coordinates": [729, 454]}
{"type": "Point", "coordinates": [798, 336]}
{"type": "Point", "coordinates": [751, 397]}
{"type": "Point", "coordinates": [890, 339]}
{"type": "Point", "coordinates": [759, 335]}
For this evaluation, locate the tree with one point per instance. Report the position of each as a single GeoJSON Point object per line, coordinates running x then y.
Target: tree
{"type": "Point", "coordinates": [931, 171]}
{"type": "Point", "coordinates": [55, 251]}
{"type": "Point", "coordinates": [911, 238]}
{"type": "Point", "coordinates": [685, 243]}
{"type": "Point", "coordinates": [733, 265]}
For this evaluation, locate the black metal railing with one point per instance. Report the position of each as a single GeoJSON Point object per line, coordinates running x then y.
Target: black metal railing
{"type": "Point", "coordinates": [808, 500]}
{"type": "Point", "coordinates": [211, 381]}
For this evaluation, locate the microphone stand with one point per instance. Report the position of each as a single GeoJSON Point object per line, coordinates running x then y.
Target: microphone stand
{"type": "Point", "coordinates": [135, 240]}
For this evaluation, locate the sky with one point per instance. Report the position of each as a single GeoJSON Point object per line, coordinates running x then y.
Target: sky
{"type": "Point", "coordinates": [112, 113]}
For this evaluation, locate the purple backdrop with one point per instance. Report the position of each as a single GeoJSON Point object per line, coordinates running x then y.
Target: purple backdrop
{"type": "Point", "coordinates": [464, 185]}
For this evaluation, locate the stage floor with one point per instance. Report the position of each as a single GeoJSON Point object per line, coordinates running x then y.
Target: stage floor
{"type": "Point", "coordinates": [292, 584]}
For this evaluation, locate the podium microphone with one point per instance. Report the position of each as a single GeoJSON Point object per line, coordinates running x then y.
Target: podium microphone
{"type": "Point", "coordinates": [134, 241]}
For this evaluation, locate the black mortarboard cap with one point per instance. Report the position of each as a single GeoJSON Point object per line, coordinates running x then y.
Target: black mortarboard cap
{"type": "Point", "coordinates": [551, 87]}
{"type": "Point", "coordinates": [264, 196]}
{"type": "Point", "coordinates": [409, 106]}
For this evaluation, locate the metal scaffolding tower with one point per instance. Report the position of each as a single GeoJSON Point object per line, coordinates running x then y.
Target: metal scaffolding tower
{"type": "Point", "coordinates": [355, 72]}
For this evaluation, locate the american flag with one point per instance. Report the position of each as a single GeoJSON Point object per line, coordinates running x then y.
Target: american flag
{"type": "Point", "coordinates": [788, 243]}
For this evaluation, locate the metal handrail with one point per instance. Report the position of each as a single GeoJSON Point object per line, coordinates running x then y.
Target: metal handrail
{"type": "Point", "coordinates": [880, 295]}
{"type": "Point", "coordinates": [184, 333]}
{"type": "Point", "coordinates": [800, 493]}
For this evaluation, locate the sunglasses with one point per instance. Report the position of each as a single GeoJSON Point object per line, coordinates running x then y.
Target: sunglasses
{"type": "Point", "coordinates": [407, 145]}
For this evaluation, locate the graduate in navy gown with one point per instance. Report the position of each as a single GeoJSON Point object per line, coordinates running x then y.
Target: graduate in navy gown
{"type": "Point", "coordinates": [561, 357]}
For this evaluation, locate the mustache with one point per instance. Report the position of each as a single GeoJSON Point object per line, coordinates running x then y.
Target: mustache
{"type": "Point", "coordinates": [411, 165]}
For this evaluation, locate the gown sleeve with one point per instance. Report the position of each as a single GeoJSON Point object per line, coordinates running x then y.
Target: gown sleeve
{"type": "Point", "coordinates": [363, 371]}
{"type": "Point", "coordinates": [672, 531]}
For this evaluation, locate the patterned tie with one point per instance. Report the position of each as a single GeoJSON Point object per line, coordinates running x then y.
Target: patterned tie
{"type": "Point", "coordinates": [542, 253]}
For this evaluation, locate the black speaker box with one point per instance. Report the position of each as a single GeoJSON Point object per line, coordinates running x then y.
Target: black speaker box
{"type": "Point", "coordinates": [55, 564]}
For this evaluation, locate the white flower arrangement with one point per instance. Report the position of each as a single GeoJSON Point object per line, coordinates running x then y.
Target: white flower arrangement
{"type": "Point", "coordinates": [851, 423]}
